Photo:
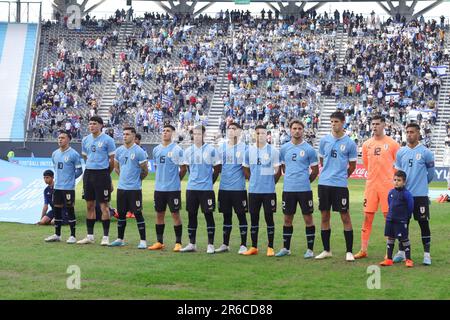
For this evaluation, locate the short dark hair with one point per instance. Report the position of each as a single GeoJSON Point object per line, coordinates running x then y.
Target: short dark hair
{"type": "Point", "coordinates": [66, 133]}
{"type": "Point", "coordinates": [49, 173]}
{"type": "Point", "coordinates": [400, 174]}
{"type": "Point", "coordinates": [96, 119]}
{"type": "Point", "coordinates": [132, 129]}
{"type": "Point", "coordinates": [168, 125]}
{"type": "Point", "coordinates": [235, 124]}
{"type": "Point", "coordinates": [413, 125]}
{"type": "Point", "coordinates": [379, 117]}
{"type": "Point", "coordinates": [260, 126]}
{"type": "Point", "coordinates": [138, 136]}
{"type": "Point", "coordinates": [338, 115]}
{"type": "Point", "coordinates": [296, 121]}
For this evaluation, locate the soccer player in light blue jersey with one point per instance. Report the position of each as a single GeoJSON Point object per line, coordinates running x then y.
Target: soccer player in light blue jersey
{"type": "Point", "coordinates": [98, 150]}
{"type": "Point", "coordinates": [418, 163]}
{"type": "Point", "coordinates": [204, 167]}
{"type": "Point", "coordinates": [232, 191]}
{"type": "Point", "coordinates": [338, 155]}
{"type": "Point", "coordinates": [67, 165]}
{"type": "Point", "coordinates": [297, 158]}
{"type": "Point", "coordinates": [261, 167]}
{"type": "Point", "coordinates": [170, 170]}
{"type": "Point", "coordinates": [131, 165]}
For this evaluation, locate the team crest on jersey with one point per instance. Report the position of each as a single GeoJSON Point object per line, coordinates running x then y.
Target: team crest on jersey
{"type": "Point", "coordinates": [100, 144]}
{"type": "Point", "coordinates": [422, 210]}
{"type": "Point", "coordinates": [169, 154]}
{"type": "Point", "coordinates": [138, 203]}
{"type": "Point", "coordinates": [310, 203]}
{"type": "Point", "coordinates": [418, 156]}
{"type": "Point", "coordinates": [209, 202]}
{"type": "Point", "coordinates": [68, 196]}
{"type": "Point", "coordinates": [205, 155]}
{"type": "Point", "coordinates": [302, 153]}
{"type": "Point", "coordinates": [386, 146]}
{"type": "Point", "coordinates": [238, 154]}
{"type": "Point", "coordinates": [344, 202]}
{"type": "Point", "coordinates": [342, 147]}
{"type": "Point", "coordinates": [266, 156]}
{"type": "Point", "coordinates": [66, 159]}
{"type": "Point", "coordinates": [132, 156]}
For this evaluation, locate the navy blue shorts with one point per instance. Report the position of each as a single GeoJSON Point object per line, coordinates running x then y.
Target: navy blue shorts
{"type": "Point", "coordinates": [396, 230]}
{"type": "Point", "coordinates": [51, 216]}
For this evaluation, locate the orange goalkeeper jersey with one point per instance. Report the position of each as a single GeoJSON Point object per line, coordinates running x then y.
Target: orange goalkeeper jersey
{"type": "Point", "coordinates": [379, 158]}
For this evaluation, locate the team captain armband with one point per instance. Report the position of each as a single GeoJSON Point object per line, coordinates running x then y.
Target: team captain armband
{"type": "Point", "coordinates": [429, 164]}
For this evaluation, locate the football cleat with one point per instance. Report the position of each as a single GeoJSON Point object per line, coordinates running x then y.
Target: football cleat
{"type": "Point", "coordinates": [242, 249]}
{"type": "Point", "coordinates": [251, 251]}
{"type": "Point", "coordinates": [323, 255]}
{"type": "Point", "coordinates": [361, 254]}
{"type": "Point", "coordinates": [386, 262]}
{"type": "Point", "coordinates": [308, 254]}
{"type": "Point", "coordinates": [399, 257]}
{"type": "Point", "coordinates": [427, 260]}
{"type": "Point", "coordinates": [117, 243]}
{"type": "Point", "coordinates": [270, 252]}
{"type": "Point", "coordinates": [142, 244]}
{"type": "Point", "coordinates": [71, 240]}
{"type": "Point", "coordinates": [53, 238]}
{"type": "Point", "coordinates": [409, 263]}
{"type": "Point", "coordinates": [189, 248]}
{"type": "Point", "coordinates": [349, 257]}
{"type": "Point", "coordinates": [105, 241]}
{"type": "Point", "coordinates": [210, 249]}
{"type": "Point", "coordinates": [157, 246]}
{"type": "Point", "coordinates": [223, 248]}
{"type": "Point", "coordinates": [283, 252]}
{"type": "Point", "coordinates": [177, 247]}
{"type": "Point", "coordinates": [87, 240]}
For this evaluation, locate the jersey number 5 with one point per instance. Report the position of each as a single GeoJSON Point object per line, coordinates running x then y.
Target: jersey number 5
{"type": "Point", "coordinates": [410, 162]}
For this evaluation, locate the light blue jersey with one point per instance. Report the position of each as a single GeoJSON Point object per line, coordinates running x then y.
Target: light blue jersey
{"type": "Point", "coordinates": [130, 160]}
{"type": "Point", "coordinates": [97, 150]}
{"type": "Point", "coordinates": [232, 176]}
{"type": "Point", "coordinates": [66, 164]}
{"type": "Point", "coordinates": [262, 163]}
{"type": "Point", "coordinates": [418, 164]}
{"type": "Point", "coordinates": [167, 161]}
{"type": "Point", "coordinates": [201, 162]}
{"type": "Point", "coordinates": [297, 160]}
{"type": "Point", "coordinates": [336, 154]}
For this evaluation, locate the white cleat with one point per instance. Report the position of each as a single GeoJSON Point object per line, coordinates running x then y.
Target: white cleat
{"type": "Point", "coordinates": [323, 255]}
{"type": "Point", "coordinates": [308, 254]}
{"type": "Point", "coordinates": [71, 240]}
{"type": "Point", "coordinates": [189, 248]}
{"type": "Point", "coordinates": [210, 248]}
{"type": "Point", "coordinates": [223, 248]}
{"type": "Point", "coordinates": [242, 249]}
{"type": "Point", "coordinates": [87, 240]}
{"type": "Point", "coordinates": [53, 238]}
{"type": "Point", "coordinates": [105, 241]}
{"type": "Point", "coordinates": [349, 257]}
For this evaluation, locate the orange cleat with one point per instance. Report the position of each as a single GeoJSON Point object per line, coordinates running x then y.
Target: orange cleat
{"type": "Point", "coordinates": [409, 263]}
{"type": "Point", "coordinates": [130, 215]}
{"type": "Point", "coordinates": [270, 252]}
{"type": "Point", "coordinates": [439, 199]}
{"type": "Point", "coordinates": [157, 246]}
{"type": "Point", "coordinates": [251, 251]}
{"type": "Point", "coordinates": [177, 247]}
{"type": "Point", "coordinates": [386, 262]}
{"type": "Point", "coordinates": [361, 254]}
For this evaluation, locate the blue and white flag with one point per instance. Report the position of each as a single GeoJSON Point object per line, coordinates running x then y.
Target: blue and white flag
{"type": "Point", "coordinates": [311, 87]}
{"type": "Point", "coordinates": [166, 99]}
{"type": "Point", "coordinates": [440, 70]}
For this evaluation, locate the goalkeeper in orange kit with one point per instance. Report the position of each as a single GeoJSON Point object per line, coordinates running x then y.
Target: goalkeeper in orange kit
{"type": "Point", "coordinates": [378, 155]}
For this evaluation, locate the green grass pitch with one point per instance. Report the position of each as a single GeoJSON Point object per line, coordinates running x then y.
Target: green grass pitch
{"type": "Point", "coordinates": [33, 269]}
